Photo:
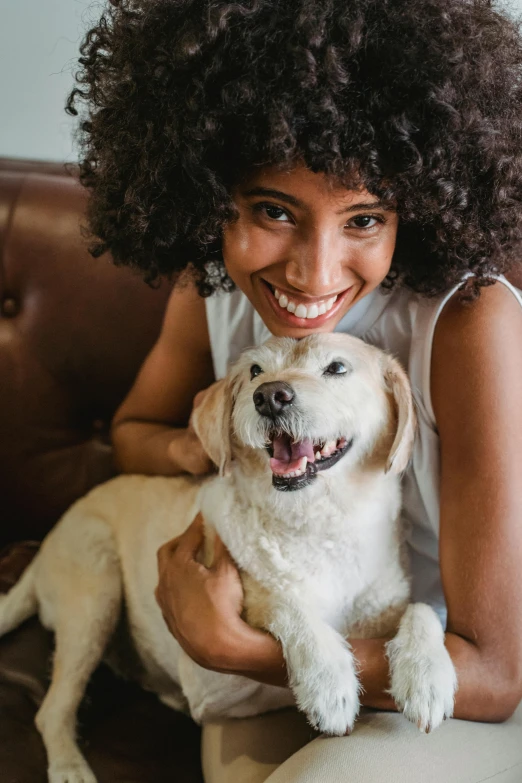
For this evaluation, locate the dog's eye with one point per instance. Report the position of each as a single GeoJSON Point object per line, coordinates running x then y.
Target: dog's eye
{"type": "Point", "coordinates": [335, 368]}
{"type": "Point", "coordinates": [255, 370]}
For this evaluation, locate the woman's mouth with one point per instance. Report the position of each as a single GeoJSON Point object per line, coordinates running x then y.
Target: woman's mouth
{"type": "Point", "coordinates": [298, 313]}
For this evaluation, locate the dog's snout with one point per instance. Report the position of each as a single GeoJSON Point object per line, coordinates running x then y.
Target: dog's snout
{"type": "Point", "coordinates": [271, 398]}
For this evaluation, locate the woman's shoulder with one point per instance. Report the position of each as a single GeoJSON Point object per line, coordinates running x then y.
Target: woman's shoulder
{"type": "Point", "coordinates": [495, 305]}
{"type": "Point", "coordinates": [185, 319]}
{"type": "Point", "coordinates": [468, 336]}
{"type": "Point", "coordinates": [407, 327]}
{"type": "Point", "coordinates": [479, 332]}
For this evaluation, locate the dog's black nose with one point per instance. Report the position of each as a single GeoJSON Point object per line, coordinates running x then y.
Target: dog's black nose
{"type": "Point", "coordinates": [271, 398]}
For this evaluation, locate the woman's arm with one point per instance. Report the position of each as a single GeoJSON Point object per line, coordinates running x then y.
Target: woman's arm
{"type": "Point", "coordinates": [477, 397]}
{"type": "Point", "coordinates": [149, 430]}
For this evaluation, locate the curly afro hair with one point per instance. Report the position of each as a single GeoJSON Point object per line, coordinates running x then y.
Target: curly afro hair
{"type": "Point", "coordinates": [420, 101]}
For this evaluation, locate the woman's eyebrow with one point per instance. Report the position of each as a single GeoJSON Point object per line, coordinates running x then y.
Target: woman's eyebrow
{"type": "Point", "coordinates": [364, 205]}
{"type": "Point", "coordinates": [275, 194]}
{"type": "Point", "coordinates": [295, 202]}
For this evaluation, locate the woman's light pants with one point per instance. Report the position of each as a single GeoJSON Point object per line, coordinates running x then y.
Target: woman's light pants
{"type": "Point", "coordinates": [281, 748]}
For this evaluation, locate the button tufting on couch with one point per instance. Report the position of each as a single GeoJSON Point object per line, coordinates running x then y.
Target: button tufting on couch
{"type": "Point", "coordinates": [73, 333]}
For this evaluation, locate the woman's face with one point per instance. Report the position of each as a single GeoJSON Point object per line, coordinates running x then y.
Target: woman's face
{"type": "Point", "coordinates": [304, 250]}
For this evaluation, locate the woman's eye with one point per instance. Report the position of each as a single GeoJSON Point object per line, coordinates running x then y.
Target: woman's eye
{"type": "Point", "coordinates": [364, 221]}
{"type": "Point", "coordinates": [273, 212]}
{"type": "Point", "coordinates": [255, 370]}
{"type": "Point", "coordinates": [336, 368]}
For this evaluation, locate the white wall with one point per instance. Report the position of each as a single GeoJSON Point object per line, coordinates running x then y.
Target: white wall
{"type": "Point", "coordinates": [39, 42]}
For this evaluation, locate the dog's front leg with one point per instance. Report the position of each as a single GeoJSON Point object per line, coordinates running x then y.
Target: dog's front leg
{"type": "Point", "coordinates": [321, 666]}
{"type": "Point", "coordinates": [423, 678]}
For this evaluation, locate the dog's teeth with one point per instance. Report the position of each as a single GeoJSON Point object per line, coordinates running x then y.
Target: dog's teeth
{"type": "Point", "coordinates": [301, 469]}
{"type": "Point", "coordinates": [318, 455]}
{"type": "Point", "coordinates": [328, 448]}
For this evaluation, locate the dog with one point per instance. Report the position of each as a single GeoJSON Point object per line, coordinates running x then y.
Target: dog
{"type": "Point", "coordinates": [311, 437]}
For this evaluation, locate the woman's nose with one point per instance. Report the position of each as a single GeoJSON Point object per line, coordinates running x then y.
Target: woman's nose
{"type": "Point", "coordinates": [317, 265]}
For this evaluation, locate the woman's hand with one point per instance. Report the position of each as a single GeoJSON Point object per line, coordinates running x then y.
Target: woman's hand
{"type": "Point", "coordinates": [201, 606]}
{"type": "Point", "coordinates": [186, 450]}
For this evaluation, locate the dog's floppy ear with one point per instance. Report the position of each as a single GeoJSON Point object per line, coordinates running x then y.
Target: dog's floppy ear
{"type": "Point", "coordinates": [212, 422]}
{"type": "Point", "coordinates": [399, 385]}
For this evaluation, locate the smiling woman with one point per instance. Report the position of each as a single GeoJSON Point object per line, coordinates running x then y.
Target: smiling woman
{"type": "Point", "coordinates": [305, 250]}
{"type": "Point", "coordinates": [323, 166]}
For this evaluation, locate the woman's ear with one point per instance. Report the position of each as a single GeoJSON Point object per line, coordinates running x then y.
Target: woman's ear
{"type": "Point", "coordinates": [398, 383]}
{"type": "Point", "coordinates": [212, 422]}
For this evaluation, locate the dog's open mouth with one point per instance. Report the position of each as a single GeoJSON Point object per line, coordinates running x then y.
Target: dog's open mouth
{"type": "Point", "coordinates": [295, 464]}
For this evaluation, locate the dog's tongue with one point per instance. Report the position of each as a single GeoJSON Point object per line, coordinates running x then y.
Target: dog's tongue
{"type": "Point", "coordinates": [287, 455]}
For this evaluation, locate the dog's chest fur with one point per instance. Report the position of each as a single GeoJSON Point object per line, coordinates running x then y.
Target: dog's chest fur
{"type": "Point", "coordinates": [329, 550]}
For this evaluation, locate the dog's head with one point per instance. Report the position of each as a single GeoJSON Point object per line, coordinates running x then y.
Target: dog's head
{"type": "Point", "coordinates": [310, 405]}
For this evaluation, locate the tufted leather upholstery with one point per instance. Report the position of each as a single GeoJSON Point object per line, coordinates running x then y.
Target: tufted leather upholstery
{"type": "Point", "coordinates": [73, 333]}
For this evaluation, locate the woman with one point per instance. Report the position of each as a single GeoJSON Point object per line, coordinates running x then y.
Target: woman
{"type": "Point", "coordinates": [314, 155]}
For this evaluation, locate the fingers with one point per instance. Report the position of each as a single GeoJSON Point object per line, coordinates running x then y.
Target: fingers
{"type": "Point", "coordinates": [220, 551]}
{"type": "Point", "coordinates": [222, 557]}
{"type": "Point", "coordinates": [187, 544]}
{"type": "Point", "coordinates": [191, 541]}
{"type": "Point", "coordinates": [165, 552]}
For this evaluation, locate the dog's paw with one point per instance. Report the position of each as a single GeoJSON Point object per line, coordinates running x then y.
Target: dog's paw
{"type": "Point", "coordinates": [71, 773]}
{"type": "Point", "coordinates": [423, 678]}
{"type": "Point", "coordinates": [328, 694]}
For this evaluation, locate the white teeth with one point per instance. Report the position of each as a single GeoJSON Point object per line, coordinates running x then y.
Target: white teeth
{"type": "Point", "coordinates": [300, 310]}
{"type": "Point", "coordinates": [328, 448]}
{"type": "Point", "coordinates": [318, 455]}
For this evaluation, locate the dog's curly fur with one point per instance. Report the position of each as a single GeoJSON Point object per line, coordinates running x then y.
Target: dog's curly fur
{"type": "Point", "coordinates": [419, 100]}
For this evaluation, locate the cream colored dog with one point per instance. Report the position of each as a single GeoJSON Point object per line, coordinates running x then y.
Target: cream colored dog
{"type": "Point", "coordinates": [311, 437]}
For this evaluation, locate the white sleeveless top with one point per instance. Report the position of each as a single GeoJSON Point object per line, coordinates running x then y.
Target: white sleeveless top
{"type": "Point", "coordinates": [402, 323]}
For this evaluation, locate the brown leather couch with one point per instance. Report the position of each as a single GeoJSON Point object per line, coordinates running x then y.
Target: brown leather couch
{"type": "Point", "coordinates": [73, 333]}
